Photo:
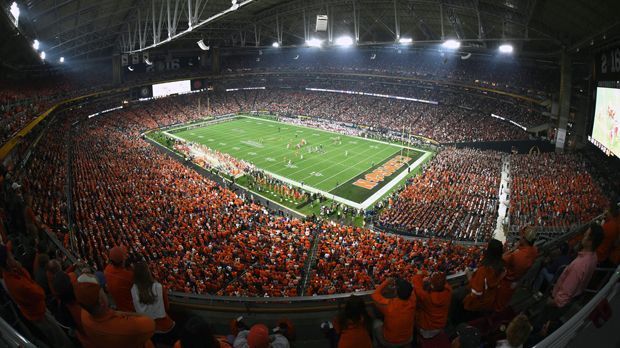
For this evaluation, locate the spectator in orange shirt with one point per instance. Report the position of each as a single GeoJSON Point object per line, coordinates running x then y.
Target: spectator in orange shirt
{"type": "Point", "coordinates": [398, 313]}
{"type": "Point", "coordinates": [485, 280]}
{"type": "Point", "coordinates": [611, 231]}
{"type": "Point", "coordinates": [433, 296]}
{"type": "Point", "coordinates": [150, 298]}
{"type": "Point", "coordinates": [352, 328]}
{"type": "Point", "coordinates": [106, 327]}
{"type": "Point", "coordinates": [119, 279]}
{"type": "Point", "coordinates": [517, 263]}
{"type": "Point", "coordinates": [30, 299]}
{"type": "Point", "coordinates": [197, 333]}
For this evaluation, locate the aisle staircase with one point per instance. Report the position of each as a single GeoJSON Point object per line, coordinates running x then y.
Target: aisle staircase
{"type": "Point", "coordinates": [309, 264]}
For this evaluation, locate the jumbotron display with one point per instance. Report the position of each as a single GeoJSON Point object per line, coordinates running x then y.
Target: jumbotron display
{"type": "Point", "coordinates": [606, 130]}
{"type": "Point", "coordinates": [168, 88]}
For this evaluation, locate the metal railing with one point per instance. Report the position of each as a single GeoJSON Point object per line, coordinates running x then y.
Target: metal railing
{"type": "Point", "coordinates": [562, 336]}
{"type": "Point", "coordinates": [13, 338]}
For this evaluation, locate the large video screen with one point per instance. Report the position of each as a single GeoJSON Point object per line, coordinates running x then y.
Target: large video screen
{"type": "Point", "coordinates": [164, 89]}
{"type": "Point", "coordinates": [606, 129]}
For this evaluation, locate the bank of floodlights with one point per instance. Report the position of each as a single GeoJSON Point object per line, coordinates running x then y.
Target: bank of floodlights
{"type": "Point", "coordinates": [451, 44]}
{"type": "Point", "coordinates": [344, 41]}
{"type": "Point", "coordinates": [506, 48]}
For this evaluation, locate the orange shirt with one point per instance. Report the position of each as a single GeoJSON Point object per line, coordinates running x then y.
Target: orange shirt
{"type": "Point", "coordinates": [399, 315]}
{"type": "Point", "coordinates": [353, 336]}
{"type": "Point", "coordinates": [432, 307]}
{"type": "Point", "coordinates": [118, 329]}
{"type": "Point", "coordinates": [517, 264]}
{"type": "Point", "coordinates": [483, 284]}
{"type": "Point", "coordinates": [611, 230]}
{"type": "Point", "coordinates": [119, 282]}
{"type": "Point", "coordinates": [28, 295]}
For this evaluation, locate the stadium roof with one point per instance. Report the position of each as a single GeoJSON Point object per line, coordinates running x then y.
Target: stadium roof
{"type": "Point", "coordinates": [87, 29]}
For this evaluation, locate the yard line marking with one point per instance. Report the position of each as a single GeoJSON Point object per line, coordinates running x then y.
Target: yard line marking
{"type": "Point", "coordinates": [252, 143]}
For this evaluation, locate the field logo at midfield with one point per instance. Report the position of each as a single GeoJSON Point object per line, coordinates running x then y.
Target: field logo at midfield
{"type": "Point", "coordinates": [253, 143]}
{"type": "Point", "coordinates": [376, 176]}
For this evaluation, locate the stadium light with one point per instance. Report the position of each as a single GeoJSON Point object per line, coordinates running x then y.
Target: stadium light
{"type": "Point", "coordinates": [451, 44]}
{"type": "Point", "coordinates": [15, 13]}
{"type": "Point", "coordinates": [42, 55]}
{"type": "Point", "coordinates": [275, 44]}
{"type": "Point", "coordinates": [36, 44]}
{"type": "Point", "coordinates": [405, 41]}
{"type": "Point", "coordinates": [345, 41]}
{"type": "Point", "coordinates": [314, 42]}
{"type": "Point", "coordinates": [506, 48]}
{"type": "Point", "coordinates": [61, 60]}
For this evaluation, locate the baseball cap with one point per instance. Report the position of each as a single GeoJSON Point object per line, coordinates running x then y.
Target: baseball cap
{"type": "Point", "coordinates": [87, 290]}
{"type": "Point", "coordinates": [118, 254]}
{"type": "Point", "coordinates": [15, 186]}
{"type": "Point", "coordinates": [258, 336]}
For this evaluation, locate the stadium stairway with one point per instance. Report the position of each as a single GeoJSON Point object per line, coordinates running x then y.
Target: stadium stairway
{"type": "Point", "coordinates": [504, 201]}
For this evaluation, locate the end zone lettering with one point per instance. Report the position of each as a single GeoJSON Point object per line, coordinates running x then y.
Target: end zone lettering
{"type": "Point", "coordinates": [376, 176]}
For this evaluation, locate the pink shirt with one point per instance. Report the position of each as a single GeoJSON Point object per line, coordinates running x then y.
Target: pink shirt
{"type": "Point", "coordinates": [575, 278]}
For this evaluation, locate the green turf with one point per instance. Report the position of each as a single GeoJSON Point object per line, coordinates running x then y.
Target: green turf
{"type": "Point", "coordinates": [264, 143]}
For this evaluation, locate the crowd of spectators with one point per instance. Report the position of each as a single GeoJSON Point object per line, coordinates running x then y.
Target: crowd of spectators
{"type": "Point", "coordinates": [443, 123]}
{"type": "Point", "coordinates": [143, 220]}
{"type": "Point", "coordinates": [199, 237]}
{"type": "Point", "coordinates": [350, 259]}
{"type": "Point", "coordinates": [21, 102]}
{"type": "Point", "coordinates": [506, 75]}
{"type": "Point", "coordinates": [456, 197]}
{"type": "Point", "coordinates": [550, 189]}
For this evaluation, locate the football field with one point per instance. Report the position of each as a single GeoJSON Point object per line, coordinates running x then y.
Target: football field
{"type": "Point", "coordinates": [349, 169]}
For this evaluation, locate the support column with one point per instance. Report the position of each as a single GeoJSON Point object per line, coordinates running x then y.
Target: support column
{"type": "Point", "coordinates": [215, 60]}
{"type": "Point", "coordinates": [565, 94]}
{"type": "Point", "coordinates": [116, 69]}
{"type": "Point", "coordinates": [203, 59]}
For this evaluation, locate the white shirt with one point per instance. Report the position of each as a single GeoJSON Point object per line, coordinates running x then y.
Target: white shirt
{"type": "Point", "coordinates": [156, 310]}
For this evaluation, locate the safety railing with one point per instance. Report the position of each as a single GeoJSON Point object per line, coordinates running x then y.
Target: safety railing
{"type": "Point", "coordinates": [297, 304]}
{"type": "Point", "coordinates": [12, 338]}
{"type": "Point", "coordinates": [563, 335]}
